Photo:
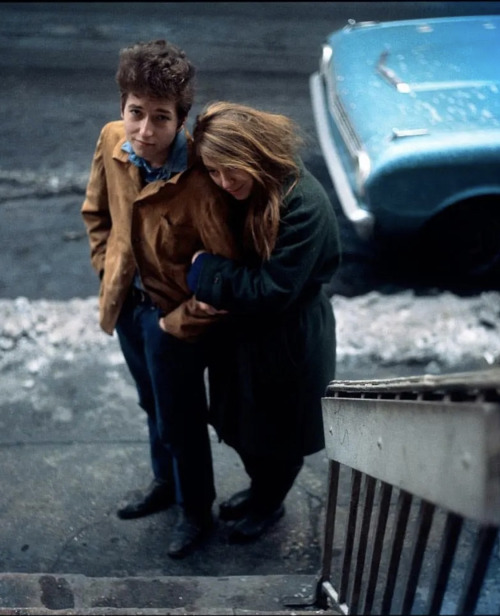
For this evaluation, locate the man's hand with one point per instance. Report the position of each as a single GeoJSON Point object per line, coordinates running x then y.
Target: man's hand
{"type": "Point", "coordinates": [207, 309]}
{"type": "Point", "coordinates": [196, 308]}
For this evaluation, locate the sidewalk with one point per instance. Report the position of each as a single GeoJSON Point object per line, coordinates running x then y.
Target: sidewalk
{"type": "Point", "coordinates": [79, 595]}
{"type": "Point", "coordinates": [73, 442]}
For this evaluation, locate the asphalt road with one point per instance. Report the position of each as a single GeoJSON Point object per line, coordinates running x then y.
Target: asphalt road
{"type": "Point", "coordinates": [57, 62]}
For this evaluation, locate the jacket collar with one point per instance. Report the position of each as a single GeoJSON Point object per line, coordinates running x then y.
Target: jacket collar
{"type": "Point", "coordinates": [123, 156]}
{"type": "Point", "coordinates": [176, 162]}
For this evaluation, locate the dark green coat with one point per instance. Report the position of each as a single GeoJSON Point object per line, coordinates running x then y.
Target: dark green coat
{"type": "Point", "coordinates": [273, 358]}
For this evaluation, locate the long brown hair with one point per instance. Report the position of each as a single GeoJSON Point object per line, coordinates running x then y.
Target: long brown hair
{"type": "Point", "coordinates": [263, 144]}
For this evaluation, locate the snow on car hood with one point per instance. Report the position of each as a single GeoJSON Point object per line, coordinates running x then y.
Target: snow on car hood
{"type": "Point", "coordinates": [437, 76]}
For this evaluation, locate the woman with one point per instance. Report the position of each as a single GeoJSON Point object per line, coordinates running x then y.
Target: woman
{"type": "Point", "coordinates": [274, 351]}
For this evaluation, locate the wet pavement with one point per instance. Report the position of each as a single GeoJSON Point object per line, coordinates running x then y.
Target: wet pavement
{"type": "Point", "coordinates": [79, 595]}
{"type": "Point", "coordinates": [73, 442]}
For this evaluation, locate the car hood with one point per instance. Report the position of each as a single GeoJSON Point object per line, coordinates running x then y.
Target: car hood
{"type": "Point", "coordinates": [433, 77]}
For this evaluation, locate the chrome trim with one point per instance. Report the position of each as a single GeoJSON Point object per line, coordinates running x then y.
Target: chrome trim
{"type": "Point", "coordinates": [390, 76]}
{"type": "Point", "coordinates": [362, 170]}
{"type": "Point", "coordinates": [326, 56]}
{"type": "Point", "coordinates": [353, 144]}
{"type": "Point", "coordinates": [351, 139]}
{"type": "Point", "coordinates": [398, 133]}
{"type": "Point", "coordinates": [361, 219]}
{"type": "Point", "coordinates": [353, 24]}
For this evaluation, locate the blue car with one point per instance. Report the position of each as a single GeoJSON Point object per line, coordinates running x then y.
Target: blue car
{"type": "Point", "coordinates": [408, 120]}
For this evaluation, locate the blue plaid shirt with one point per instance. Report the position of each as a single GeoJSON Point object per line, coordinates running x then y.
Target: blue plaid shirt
{"type": "Point", "coordinates": [177, 161]}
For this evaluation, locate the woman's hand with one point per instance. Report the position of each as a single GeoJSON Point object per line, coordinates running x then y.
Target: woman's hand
{"type": "Point", "coordinates": [202, 306]}
{"type": "Point", "coordinates": [197, 254]}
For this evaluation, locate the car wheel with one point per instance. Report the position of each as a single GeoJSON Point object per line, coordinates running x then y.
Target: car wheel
{"type": "Point", "coordinates": [464, 240]}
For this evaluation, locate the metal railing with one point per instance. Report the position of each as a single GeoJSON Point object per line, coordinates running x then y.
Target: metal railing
{"type": "Point", "coordinates": [413, 505]}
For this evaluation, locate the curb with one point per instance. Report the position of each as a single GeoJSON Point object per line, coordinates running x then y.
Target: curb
{"type": "Point", "coordinates": [75, 595]}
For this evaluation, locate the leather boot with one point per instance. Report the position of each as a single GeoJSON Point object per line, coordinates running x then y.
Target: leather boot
{"type": "Point", "coordinates": [254, 524]}
{"type": "Point", "coordinates": [189, 532]}
{"type": "Point", "coordinates": [158, 495]}
{"type": "Point", "coordinates": [237, 506]}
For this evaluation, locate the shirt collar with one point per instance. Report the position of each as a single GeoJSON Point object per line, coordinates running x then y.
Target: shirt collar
{"type": "Point", "coordinates": [177, 161]}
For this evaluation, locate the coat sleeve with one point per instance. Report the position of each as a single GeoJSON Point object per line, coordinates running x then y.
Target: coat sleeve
{"type": "Point", "coordinates": [306, 255]}
{"type": "Point", "coordinates": [95, 210]}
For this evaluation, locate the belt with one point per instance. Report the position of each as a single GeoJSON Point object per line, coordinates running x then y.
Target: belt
{"type": "Point", "coordinates": [139, 296]}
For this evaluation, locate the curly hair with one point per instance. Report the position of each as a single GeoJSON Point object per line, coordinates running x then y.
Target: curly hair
{"type": "Point", "coordinates": [264, 145]}
{"type": "Point", "coordinates": [157, 69]}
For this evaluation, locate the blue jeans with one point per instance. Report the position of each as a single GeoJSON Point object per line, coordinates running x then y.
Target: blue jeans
{"type": "Point", "coordinates": [169, 375]}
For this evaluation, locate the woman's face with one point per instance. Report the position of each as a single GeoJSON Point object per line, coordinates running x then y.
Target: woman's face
{"type": "Point", "coordinates": [238, 183]}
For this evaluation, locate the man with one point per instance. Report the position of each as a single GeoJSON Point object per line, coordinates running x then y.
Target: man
{"type": "Point", "coordinates": [148, 208]}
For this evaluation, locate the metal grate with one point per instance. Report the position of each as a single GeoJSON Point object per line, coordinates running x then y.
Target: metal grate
{"type": "Point", "coordinates": [409, 543]}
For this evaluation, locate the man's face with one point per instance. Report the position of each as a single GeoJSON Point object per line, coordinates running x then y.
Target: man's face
{"type": "Point", "coordinates": [151, 125]}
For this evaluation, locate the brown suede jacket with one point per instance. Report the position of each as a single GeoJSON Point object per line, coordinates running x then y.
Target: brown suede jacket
{"type": "Point", "coordinates": [152, 229]}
